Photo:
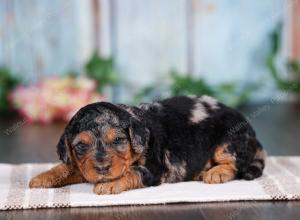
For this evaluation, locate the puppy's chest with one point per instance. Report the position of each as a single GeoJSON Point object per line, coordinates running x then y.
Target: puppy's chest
{"type": "Point", "coordinates": [175, 170]}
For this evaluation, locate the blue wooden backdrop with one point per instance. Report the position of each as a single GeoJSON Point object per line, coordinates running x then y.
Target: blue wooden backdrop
{"type": "Point", "coordinates": [220, 40]}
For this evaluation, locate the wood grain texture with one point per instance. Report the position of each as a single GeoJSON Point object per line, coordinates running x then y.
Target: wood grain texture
{"type": "Point", "coordinates": [213, 211]}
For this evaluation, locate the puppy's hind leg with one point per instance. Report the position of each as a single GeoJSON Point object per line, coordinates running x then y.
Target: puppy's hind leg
{"type": "Point", "coordinates": [58, 176]}
{"type": "Point", "coordinates": [255, 169]}
{"type": "Point", "coordinates": [241, 159]}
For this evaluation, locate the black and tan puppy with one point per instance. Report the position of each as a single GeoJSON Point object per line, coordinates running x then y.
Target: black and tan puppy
{"type": "Point", "coordinates": [120, 147]}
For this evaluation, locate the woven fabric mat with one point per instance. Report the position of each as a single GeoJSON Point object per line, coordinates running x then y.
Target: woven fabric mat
{"type": "Point", "coordinates": [281, 181]}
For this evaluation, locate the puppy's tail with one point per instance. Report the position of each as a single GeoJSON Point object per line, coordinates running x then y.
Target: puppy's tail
{"type": "Point", "coordinates": [257, 166]}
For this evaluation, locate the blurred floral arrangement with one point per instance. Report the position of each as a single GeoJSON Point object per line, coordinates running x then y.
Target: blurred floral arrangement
{"type": "Point", "coordinates": [292, 67]}
{"type": "Point", "coordinates": [233, 94]}
{"type": "Point", "coordinates": [54, 98]}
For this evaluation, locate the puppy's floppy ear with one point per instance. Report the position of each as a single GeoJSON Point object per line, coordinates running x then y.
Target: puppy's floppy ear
{"type": "Point", "coordinates": [62, 149]}
{"type": "Point", "coordinates": [139, 135]}
{"type": "Point", "coordinates": [63, 146]}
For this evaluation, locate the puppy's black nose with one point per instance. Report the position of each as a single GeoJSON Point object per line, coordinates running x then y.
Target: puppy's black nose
{"type": "Point", "coordinates": [102, 169]}
{"type": "Point", "coordinates": [101, 156]}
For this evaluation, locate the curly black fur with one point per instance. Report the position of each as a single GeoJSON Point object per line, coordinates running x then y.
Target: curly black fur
{"type": "Point", "coordinates": [177, 136]}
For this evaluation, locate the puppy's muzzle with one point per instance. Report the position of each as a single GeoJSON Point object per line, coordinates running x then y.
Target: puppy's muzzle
{"type": "Point", "coordinates": [102, 169]}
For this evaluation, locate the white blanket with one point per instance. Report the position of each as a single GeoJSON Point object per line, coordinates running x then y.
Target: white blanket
{"type": "Point", "coordinates": [281, 181]}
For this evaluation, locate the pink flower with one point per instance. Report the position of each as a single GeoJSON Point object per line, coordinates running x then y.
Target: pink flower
{"type": "Point", "coordinates": [54, 98]}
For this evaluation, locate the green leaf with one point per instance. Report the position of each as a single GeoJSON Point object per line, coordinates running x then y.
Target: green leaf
{"type": "Point", "coordinates": [235, 94]}
{"type": "Point", "coordinates": [7, 83]}
{"type": "Point", "coordinates": [232, 94]}
{"type": "Point", "coordinates": [184, 84]}
{"type": "Point", "coordinates": [294, 67]}
{"type": "Point", "coordinates": [102, 70]}
{"type": "Point", "coordinates": [276, 39]}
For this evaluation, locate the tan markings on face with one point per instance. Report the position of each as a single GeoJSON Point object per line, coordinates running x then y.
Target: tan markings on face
{"type": "Point", "coordinates": [86, 138]}
{"type": "Point", "coordinates": [86, 166]}
{"type": "Point", "coordinates": [85, 163]}
{"type": "Point", "coordinates": [110, 135]}
{"type": "Point", "coordinates": [121, 161]}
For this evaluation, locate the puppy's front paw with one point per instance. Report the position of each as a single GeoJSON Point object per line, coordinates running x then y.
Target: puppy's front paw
{"type": "Point", "coordinates": [43, 181]}
{"type": "Point", "coordinates": [219, 174]}
{"type": "Point", "coordinates": [114, 187]}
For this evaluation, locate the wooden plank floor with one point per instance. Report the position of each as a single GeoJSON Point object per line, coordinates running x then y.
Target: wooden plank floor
{"type": "Point", "coordinates": [277, 127]}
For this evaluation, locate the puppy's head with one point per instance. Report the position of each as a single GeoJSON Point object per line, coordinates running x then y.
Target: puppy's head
{"type": "Point", "coordinates": [103, 140]}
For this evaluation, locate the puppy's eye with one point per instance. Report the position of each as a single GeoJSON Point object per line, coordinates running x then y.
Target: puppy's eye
{"type": "Point", "coordinates": [81, 147]}
{"type": "Point", "coordinates": [119, 141]}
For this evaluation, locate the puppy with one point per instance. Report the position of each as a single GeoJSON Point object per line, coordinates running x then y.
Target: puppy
{"type": "Point", "coordinates": [120, 147]}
